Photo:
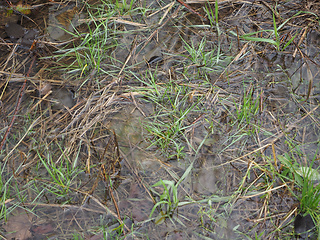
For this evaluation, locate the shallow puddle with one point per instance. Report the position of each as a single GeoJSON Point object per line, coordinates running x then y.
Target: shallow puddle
{"type": "Point", "coordinates": [180, 113]}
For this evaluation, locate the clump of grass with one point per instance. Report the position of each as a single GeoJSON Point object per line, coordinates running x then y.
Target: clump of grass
{"type": "Point", "coordinates": [91, 53]}
{"type": "Point", "coordinates": [172, 109]}
{"type": "Point", "coordinates": [5, 188]}
{"type": "Point", "coordinates": [307, 188]}
{"type": "Point", "coordinates": [61, 176]}
{"type": "Point", "coordinates": [93, 48]}
{"type": "Point", "coordinates": [248, 108]}
{"type": "Point", "coordinates": [168, 199]}
{"type": "Point", "coordinates": [305, 178]}
{"type": "Point", "coordinates": [206, 59]}
{"type": "Point", "coordinates": [273, 35]}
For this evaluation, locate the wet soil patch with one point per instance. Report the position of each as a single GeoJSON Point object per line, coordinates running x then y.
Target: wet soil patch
{"type": "Point", "coordinates": [174, 127]}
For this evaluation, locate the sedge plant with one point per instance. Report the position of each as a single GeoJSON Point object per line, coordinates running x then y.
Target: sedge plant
{"type": "Point", "coordinates": [168, 200]}
{"type": "Point", "coordinates": [306, 179]}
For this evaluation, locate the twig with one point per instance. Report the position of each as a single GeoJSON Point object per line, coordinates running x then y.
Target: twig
{"type": "Point", "coordinates": [18, 104]}
{"type": "Point", "coordinates": [191, 9]}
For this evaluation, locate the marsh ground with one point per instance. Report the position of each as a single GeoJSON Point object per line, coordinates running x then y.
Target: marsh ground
{"type": "Point", "coordinates": [145, 120]}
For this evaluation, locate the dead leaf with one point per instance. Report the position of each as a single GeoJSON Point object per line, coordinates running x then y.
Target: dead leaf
{"type": "Point", "coordinates": [18, 227]}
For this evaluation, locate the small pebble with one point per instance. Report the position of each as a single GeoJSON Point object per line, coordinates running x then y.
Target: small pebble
{"type": "Point", "coordinates": [304, 226]}
{"type": "Point", "coordinates": [14, 30]}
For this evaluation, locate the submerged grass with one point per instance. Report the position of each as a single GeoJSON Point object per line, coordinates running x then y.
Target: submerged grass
{"type": "Point", "coordinates": [92, 53]}
{"type": "Point", "coordinates": [95, 47]}
{"type": "Point", "coordinates": [62, 176]}
{"type": "Point", "coordinates": [173, 108]}
{"type": "Point", "coordinates": [248, 109]}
